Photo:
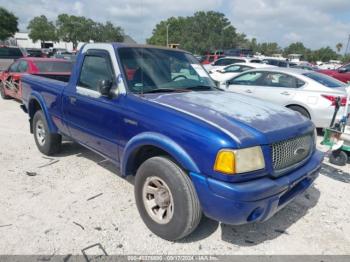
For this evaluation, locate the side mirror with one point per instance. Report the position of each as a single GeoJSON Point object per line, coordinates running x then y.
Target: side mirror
{"type": "Point", "coordinates": [342, 70]}
{"type": "Point", "coordinates": [105, 87]}
{"type": "Point", "coordinates": [227, 84]}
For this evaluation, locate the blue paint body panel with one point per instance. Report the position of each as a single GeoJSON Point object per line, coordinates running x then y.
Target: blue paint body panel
{"type": "Point", "coordinates": [191, 127]}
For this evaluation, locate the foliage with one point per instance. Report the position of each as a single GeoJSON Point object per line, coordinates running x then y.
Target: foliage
{"type": "Point", "coordinates": [296, 48]}
{"type": "Point", "coordinates": [268, 48]}
{"type": "Point", "coordinates": [40, 28]}
{"type": "Point", "coordinates": [107, 33]}
{"type": "Point", "coordinates": [323, 54]}
{"type": "Point", "coordinates": [76, 29]}
{"type": "Point", "coordinates": [339, 46]}
{"type": "Point", "coordinates": [8, 24]}
{"type": "Point", "coordinates": [346, 59]}
{"type": "Point", "coordinates": [202, 32]}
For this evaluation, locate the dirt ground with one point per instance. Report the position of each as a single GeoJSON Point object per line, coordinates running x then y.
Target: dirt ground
{"type": "Point", "coordinates": [64, 204]}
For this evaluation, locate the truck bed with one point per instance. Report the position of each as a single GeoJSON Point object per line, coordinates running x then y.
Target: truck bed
{"type": "Point", "coordinates": [49, 86]}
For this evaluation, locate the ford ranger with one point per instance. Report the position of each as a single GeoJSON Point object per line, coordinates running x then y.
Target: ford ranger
{"type": "Point", "coordinates": [192, 148]}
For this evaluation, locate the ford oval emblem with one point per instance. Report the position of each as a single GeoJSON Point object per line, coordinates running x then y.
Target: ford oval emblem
{"type": "Point", "coordinates": [299, 151]}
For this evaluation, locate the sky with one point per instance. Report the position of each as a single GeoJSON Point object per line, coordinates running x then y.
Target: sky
{"type": "Point", "coordinates": [316, 23]}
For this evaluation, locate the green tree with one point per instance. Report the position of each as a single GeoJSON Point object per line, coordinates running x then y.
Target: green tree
{"type": "Point", "coordinates": [75, 29]}
{"type": "Point", "coordinates": [346, 59]}
{"type": "Point", "coordinates": [325, 54]}
{"type": "Point", "coordinates": [8, 24]}
{"type": "Point", "coordinates": [40, 28]}
{"type": "Point", "coordinates": [269, 48]}
{"type": "Point", "coordinates": [254, 46]}
{"type": "Point", "coordinates": [107, 33]}
{"type": "Point", "coordinates": [297, 48]}
{"type": "Point", "coordinates": [339, 46]}
{"type": "Point", "coordinates": [202, 32]}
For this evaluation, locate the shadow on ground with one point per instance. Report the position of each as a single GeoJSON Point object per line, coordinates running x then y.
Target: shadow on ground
{"type": "Point", "coordinates": [244, 235]}
{"type": "Point", "coordinates": [70, 148]}
{"type": "Point", "coordinates": [256, 233]}
{"type": "Point", "coordinates": [335, 173]}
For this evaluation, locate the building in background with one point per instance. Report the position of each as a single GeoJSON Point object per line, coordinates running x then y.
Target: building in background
{"type": "Point", "coordinates": [23, 40]}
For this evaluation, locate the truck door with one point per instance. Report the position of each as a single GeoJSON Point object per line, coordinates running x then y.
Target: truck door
{"type": "Point", "coordinates": [93, 119]}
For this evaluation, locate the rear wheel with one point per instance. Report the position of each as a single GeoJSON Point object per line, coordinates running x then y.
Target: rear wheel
{"type": "Point", "coordinates": [166, 199]}
{"type": "Point", "coordinates": [47, 143]}
{"type": "Point", "coordinates": [339, 158]}
{"type": "Point", "coordinates": [301, 111]}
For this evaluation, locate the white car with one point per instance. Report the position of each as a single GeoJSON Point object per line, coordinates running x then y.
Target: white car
{"type": "Point", "coordinates": [222, 75]}
{"type": "Point", "coordinates": [229, 60]}
{"type": "Point", "coordinates": [310, 93]}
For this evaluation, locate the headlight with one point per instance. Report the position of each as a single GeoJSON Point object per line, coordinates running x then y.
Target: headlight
{"type": "Point", "coordinates": [231, 162]}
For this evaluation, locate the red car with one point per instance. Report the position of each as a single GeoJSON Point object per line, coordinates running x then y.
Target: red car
{"type": "Point", "coordinates": [10, 79]}
{"type": "Point", "coordinates": [342, 73]}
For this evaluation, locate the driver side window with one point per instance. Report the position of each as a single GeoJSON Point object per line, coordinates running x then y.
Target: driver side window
{"type": "Point", "coordinates": [93, 70]}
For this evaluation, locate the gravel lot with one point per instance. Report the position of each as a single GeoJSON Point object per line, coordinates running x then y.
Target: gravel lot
{"type": "Point", "coordinates": [45, 208]}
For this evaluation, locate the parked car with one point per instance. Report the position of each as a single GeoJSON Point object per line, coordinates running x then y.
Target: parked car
{"type": "Point", "coordinates": [342, 73]}
{"type": "Point", "coordinates": [8, 54]}
{"type": "Point", "coordinates": [304, 67]}
{"type": "Point", "coordinates": [53, 51]}
{"type": "Point", "coordinates": [208, 59]}
{"type": "Point", "coordinates": [329, 66]}
{"type": "Point", "coordinates": [278, 62]}
{"type": "Point", "coordinates": [65, 55]}
{"type": "Point", "coordinates": [192, 148]}
{"type": "Point", "coordinates": [10, 79]}
{"type": "Point", "coordinates": [229, 60]}
{"type": "Point", "coordinates": [310, 93]}
{"type": "Point", "coordinates": [35, 52]}
{"type": "Point", "coordinates": [221, 76]}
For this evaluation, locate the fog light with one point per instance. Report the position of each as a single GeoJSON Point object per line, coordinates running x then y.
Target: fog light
{"type": "Point", "coordinates": [257, 212]}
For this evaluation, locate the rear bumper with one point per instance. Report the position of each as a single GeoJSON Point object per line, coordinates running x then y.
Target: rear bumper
{"type": "Point", "coordinates": [256, 200]}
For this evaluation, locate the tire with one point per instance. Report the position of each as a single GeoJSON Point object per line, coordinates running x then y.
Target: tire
{"type": "Point", "coordinates": [174, 193]}
{"type": "Point", "coordinates": [339, 158]}
{"type": "Point", "coordinates": [2, 92]}
{"type": "Point", "coordinates": [47, 143]}
{"type": "Point", "coordinates": [301, 111]}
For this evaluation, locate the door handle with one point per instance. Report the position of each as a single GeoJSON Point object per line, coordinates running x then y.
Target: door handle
{"type": "Point", "coordinates": [72, 100]}
{"type": "Point", "coordinates": [285, 93]}
{"type": "Point", "coordinates": [248, 91]}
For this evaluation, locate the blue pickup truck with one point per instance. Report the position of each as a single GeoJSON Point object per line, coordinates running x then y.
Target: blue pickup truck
{"type": "Point", "coordinates": [192, 148]}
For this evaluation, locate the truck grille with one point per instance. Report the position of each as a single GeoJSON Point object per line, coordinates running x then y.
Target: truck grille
{"type": "Point", "coordinates": [286, 154]}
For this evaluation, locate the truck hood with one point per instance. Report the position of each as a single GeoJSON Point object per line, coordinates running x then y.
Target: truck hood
{"type": "Point", "coordinates": [247, 120]}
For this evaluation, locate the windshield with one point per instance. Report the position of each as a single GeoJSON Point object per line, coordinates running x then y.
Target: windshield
{"type": "Point", "coordinates": [53, 66]}
{"type": "Point", "coordinates": [324, 79]}
{"type": "Point", "coordinates": [160, 70]}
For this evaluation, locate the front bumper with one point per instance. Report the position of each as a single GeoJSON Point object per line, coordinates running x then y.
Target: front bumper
{"type": "Point", "coordinates": [255, 200]}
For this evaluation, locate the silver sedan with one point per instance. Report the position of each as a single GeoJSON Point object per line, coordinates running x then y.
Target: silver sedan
{"type": "Point", "coordinates": [310, 93]}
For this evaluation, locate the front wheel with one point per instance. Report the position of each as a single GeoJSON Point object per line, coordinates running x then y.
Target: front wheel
{"type": "Point", "coordinates": [47, 143]}
{"type": "Point", "coordinates": [166, 199]}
